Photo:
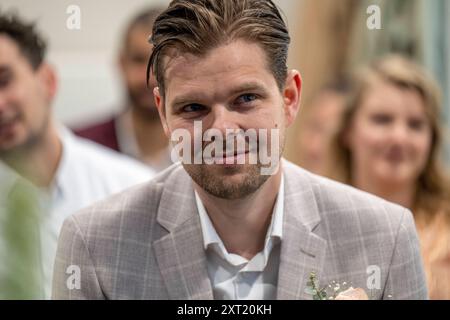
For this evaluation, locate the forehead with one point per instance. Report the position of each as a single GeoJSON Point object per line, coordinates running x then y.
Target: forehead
{"type": "Point", "coordinates": [388, 97]}
{"type": "Point", "coordinates": [9, 51]}
{"type": "Point", "coordinates": [230, 65]}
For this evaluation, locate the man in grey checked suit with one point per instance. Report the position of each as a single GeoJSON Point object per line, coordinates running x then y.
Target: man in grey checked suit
{"type": "Point", "coordinates": [225, 230]}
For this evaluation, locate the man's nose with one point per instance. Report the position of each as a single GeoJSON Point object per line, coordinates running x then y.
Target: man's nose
{"type": "Point", "coordinates": [223, 118]}
{"type": "Point", "coordinates": [2, 103]}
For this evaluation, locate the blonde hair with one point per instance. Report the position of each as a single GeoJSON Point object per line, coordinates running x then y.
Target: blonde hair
{"type": "Point", "coordinates": [432, 194]}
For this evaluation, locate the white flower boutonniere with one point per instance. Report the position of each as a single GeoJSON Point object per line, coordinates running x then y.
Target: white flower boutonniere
{"type": "Point", "coordinates": [334, 291]}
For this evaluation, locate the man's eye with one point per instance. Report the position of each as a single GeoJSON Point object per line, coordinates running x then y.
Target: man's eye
{"type": "Point", "coordinates": [193, 108]}
{"type": "Point", "coordinates": [5, 81]}
{"type": "Point", "coordinates": [246, 98]}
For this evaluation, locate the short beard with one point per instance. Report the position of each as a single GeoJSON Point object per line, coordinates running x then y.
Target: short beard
{"type": "Point", "coordinates": [33, 142]}
{"type": "Point", "coordinates": [218, 186]}
{"type": "Point", "coordinates": [147, 111]}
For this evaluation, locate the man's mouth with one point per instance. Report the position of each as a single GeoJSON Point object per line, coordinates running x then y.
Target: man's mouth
{"type": "Point", "coordinates": [233, 153]}
{"type": "Point", "coordinates": [232, 157]}
{"type": "Point", "coordinates": [6, 124]}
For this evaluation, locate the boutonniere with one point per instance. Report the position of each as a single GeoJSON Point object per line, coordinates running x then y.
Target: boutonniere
{"type": "Point", "coordinates": [333, 291]}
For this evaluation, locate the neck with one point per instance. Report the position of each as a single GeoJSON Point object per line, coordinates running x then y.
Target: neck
{"type": "Point", "coordinates": [242, 224]}
{"type": "Point", "coordinates": [38, 163]}
{"type": "Point", "coordinates": [401, 193]}
{"type": "Point", "coordinates": [149, 135]}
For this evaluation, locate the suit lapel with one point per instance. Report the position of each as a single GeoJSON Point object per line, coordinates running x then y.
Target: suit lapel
{"type": "Point", "coordinates": [181, 257]}
{"type": "Point", "coordinates": [180, 254]}
{"type": "Point", "coordinates": [302, 251]}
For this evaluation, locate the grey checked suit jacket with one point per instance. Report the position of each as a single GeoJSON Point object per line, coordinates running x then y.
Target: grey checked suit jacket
{"type": "Point", "coordinates": [146, 243]}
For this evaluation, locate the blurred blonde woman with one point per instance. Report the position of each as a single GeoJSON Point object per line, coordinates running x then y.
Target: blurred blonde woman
{"type": "Point", "coordinates": [389, 143]}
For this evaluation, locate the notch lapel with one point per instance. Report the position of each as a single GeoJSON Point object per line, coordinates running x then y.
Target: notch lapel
{"type": "Point", "coordinates": [302, 251]}
{"type": "Point", "coordinates": [180, 254]}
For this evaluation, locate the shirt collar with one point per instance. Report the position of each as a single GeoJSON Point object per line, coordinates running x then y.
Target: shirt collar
{"type": "Point", "coordinates": [275, 229]}
{"type": "Point", "coordinates": [59, 184]}
{"type": "Point", "coordinates": [9, 179]}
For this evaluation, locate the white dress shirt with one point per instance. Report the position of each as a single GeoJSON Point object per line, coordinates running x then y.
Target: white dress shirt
{"type": "Point", "coordinates": [234, 277]}
{"type": "Point", "coordinates": [87, 172]}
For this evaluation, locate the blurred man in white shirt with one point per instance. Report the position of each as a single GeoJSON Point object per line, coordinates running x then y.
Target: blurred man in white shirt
{"type": "Point", "coordinates": [136, 131]}
{"type": "Point", "coordinates": [67, 172]}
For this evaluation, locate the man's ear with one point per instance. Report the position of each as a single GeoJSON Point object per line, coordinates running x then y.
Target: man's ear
{"type": "Point", "coordinates": [291, 96]}
{"type": "Point", "coordinates": [49, 80]}
{"type": "Point", "coordinates": [159, 101]}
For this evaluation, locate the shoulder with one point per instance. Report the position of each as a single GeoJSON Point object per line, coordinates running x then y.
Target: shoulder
{"type": "Point", "coordinates": [130, 210]}
{"type": "Point", "coordinates": [93, 156]}
{"type": "Point", "coordinates": [346, 208]}
{"type": "Point", "coordinates": [102, 133]}
{"type": "Point", "coordinates": [96, 130]}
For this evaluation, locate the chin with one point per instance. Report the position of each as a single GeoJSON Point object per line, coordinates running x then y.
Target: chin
{"type": "Point", "coordinates": [9, 145]}
{"type": "Point", "coordinates": [231, 182]}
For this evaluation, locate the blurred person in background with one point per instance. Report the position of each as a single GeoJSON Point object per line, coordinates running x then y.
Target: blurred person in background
{"type": "Point", "coordinates": [321, 120]}
{"type": "Point", "coordinates": [67, 172]}
{"type": "Point", "coordinates": [389, 144]}
{"type": "Point", "coordinates": [137, 131]}
{"type": "Point", "coordinates": [20, 213]}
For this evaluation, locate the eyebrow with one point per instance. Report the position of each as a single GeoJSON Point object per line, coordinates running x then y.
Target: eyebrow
{"type": "Point", "coordinates": [195, 96]}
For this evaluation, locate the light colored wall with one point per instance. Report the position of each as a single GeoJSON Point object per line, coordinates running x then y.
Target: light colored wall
{"type": "Point", "coordinates": [90, 86]}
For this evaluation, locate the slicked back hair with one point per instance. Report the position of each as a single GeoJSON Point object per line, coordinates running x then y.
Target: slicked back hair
{"type": "Point", "coordinates": [198, 26]}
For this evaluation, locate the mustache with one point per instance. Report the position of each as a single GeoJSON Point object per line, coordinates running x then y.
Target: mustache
{"type": "Point", "coordinates": [230, 146]}
{"type": "Point", "coordinates": [255, 146]}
